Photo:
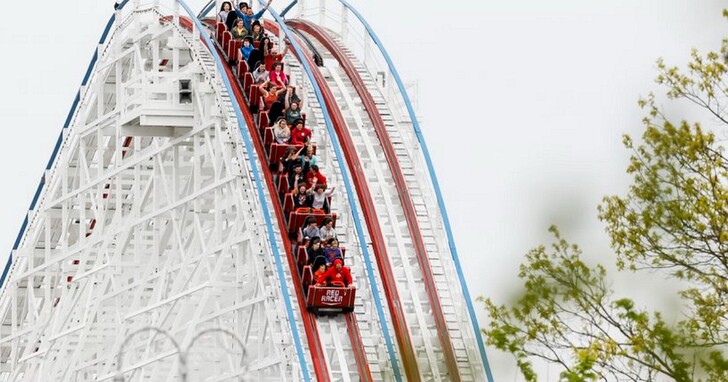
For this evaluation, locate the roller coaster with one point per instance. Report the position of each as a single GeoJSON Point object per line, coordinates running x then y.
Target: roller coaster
{"type": "Point", "coordinates": [171, 200]}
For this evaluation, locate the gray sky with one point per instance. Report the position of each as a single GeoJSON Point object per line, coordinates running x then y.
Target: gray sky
{"type": "Point", "coordinates": [523, 104]}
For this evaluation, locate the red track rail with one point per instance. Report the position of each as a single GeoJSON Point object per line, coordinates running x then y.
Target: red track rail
{"type": "Point", "coordinates": [404, 195]}
{"type": "Point", "coordinates": [356, 343]}
{"type": "Point", "coordinates": [399, 321]}
{"type": "Point", "coordinates": [309, 319]}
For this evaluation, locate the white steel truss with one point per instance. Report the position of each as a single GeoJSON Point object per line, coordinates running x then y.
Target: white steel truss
{"type": "Point", "coordinates": [149, 217]}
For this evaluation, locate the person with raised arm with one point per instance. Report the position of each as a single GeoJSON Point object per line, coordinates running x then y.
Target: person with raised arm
{"type": "Point", "coordinates": [292, 104]}
{"type": "Point", "coordinates": [289, 159]}
{"type": "Point", "coordinates": [274, 56]}
{"type": "Point", "coordinates": [320, 199]}
{"type": "Point", "coordinates": [301, 198]}
{"type": "Point", "coordinates": [246, 13]}
{"type": "Point", "coordinates": [315, 178]}
{"type": "Point", "coordinates": [265, 46]}
{"type": "Point", "coordinates": [266, 51]}
{"type": "Point", "coordinates": [270, 93]}
{"type": "Point", "coordinates": [277, 76]}
{"type": "Point", "coordinates": [308, 159]}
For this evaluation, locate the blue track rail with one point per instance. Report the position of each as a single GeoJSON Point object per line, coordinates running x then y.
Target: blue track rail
{"type": "Point", "coordinates": [59, 142]}
{"type": "Point", "coordinates": [435, 183]}
{"type": "Point", "coordinates": [349, 192]}
{"type": "Point", "coordinates": [247, 140]}
{"type": "Point", "coordinates": [208, 8]}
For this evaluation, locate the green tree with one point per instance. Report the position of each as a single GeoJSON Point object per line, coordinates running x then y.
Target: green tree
{"type": "Point", "coordinates": [672, 223]}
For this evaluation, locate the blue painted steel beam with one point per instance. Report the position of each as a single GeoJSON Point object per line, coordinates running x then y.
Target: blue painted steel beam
{"type": "Point", "coordinates": [209, 7]}
{"type": "Point", "coordinates": [349, 190]}
{"type": "Point", "coordinates": [288, 8]}
{"type": "Point", "coordinates": [436, 185]}
{"type": "Point", "coordinates": [247, 140]}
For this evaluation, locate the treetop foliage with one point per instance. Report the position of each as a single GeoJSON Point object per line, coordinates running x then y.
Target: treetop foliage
{"type": "Point", "coordinates": [672, 223]}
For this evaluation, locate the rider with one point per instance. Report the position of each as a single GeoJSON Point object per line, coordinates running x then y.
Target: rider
{"type": "Point", "coordinates": [246, 13]}
{"type": "Point", "coordinates": [337, 275]}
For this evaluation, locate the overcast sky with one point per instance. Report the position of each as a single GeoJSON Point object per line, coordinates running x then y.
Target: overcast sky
{"type": "Point", "coordinates": [523, 104]}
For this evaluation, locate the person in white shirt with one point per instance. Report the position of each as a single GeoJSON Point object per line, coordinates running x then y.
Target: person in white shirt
{"type": "Point", "coordinates": [320, 198]}
{"type": "Point", "coordinates": [327, 230]}
{"type": "Point", "coordinates": [224, 10]}
{"type": "Point", "coordinates": [281, 131]}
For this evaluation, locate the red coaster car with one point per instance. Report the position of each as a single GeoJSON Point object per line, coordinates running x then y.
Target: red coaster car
{"type": "Point", "coordinates": [330, 300]}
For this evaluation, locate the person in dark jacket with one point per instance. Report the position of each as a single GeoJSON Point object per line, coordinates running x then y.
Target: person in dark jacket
{"type": "Point", "coordinates": [296, 177]}
{"type": "Point", "coordinates": [257, 32]}
{"type": "Point", "coordinates": [230, 21]}
{"type": "Point", "coordinates": [289, 159]}
{"type": "Point", "coordinates": [301, 198]}
{"type": "Point", "coordinates": [315, 250]}
{"type": "Point", "coordinates": [238, 32]}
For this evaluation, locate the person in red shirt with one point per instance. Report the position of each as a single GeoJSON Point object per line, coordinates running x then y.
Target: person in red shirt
{"type": "Point", "coordinates": [270, 93]}
{"type": "Point", "coordinates": [320, 271]}
{"type": "Point", "coordinates": [300, 135]}
{"type": "Point", "coordinates": [277, 76]}
{"type": "Point", "coordinates": [314, 178]}
{"type": "Point", "coordinates": [336, 275]}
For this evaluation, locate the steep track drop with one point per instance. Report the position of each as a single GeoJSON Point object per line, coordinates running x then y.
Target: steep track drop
{"type": "Point", "coordinates": [404, 196]}
{"type": "Point", "coordinates": [310, 323]}
{"type": "Point", "coordinates": [370, 215]}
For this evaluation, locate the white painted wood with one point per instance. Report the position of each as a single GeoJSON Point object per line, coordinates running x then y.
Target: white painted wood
{"type": "Point", "coordinates": [163, 229]}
